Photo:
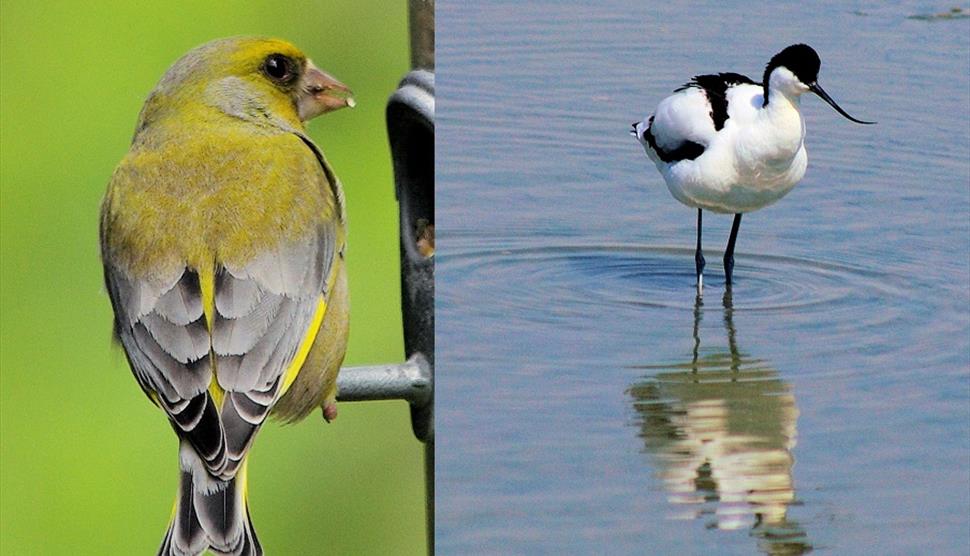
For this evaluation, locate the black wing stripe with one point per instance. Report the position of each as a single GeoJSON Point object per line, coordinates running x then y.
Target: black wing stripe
{"type": "Point", "coordinates": [715, 86]}
{"type": "Point", "coordinates": [688, 150]}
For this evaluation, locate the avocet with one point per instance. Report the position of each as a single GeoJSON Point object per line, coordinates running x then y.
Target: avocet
{"type": "Point", "coordinates": [727, 144]}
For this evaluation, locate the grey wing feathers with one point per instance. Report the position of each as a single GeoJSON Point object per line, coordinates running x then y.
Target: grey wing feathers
{"type": "Point", "coordinates": [263, 311]}
{"type": "Point", "coordinates": [162, 330]}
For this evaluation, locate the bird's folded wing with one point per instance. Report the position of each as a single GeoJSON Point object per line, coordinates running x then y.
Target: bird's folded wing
{"type": "Point", "coordinates": [215, 348]}
{"type": "Point", "coordinates": [682, 117]}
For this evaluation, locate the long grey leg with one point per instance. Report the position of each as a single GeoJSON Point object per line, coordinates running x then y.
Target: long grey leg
{"type": "Point", "coordinates": [729, 252]}
{"type": "Point", "coordinates": [699, 256]}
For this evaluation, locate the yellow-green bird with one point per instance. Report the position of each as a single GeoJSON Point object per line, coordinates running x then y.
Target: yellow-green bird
{"type": "Point", "coordinates": [223, 238]}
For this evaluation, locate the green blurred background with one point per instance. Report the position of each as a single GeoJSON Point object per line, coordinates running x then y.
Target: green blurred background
{"type": "Point", "coordinates": [89, 466]}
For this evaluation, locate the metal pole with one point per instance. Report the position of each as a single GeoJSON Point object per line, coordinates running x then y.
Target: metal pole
{"type": "Point", "coordinates": [410, 126]}
{"type": "Point", "coordinates": [410, 129]}
{"type": "Point", "coordinates": [421, 17]}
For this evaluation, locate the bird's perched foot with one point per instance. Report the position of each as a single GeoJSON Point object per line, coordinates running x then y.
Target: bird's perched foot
{"type": "Point", "coordinates": [329, 409]}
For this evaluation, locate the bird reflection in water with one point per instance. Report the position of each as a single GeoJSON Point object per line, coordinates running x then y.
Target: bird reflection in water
{"type": "Point", "coordinates": [721, 428]}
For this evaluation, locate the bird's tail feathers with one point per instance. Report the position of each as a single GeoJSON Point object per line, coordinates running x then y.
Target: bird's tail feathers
{"type": "Point", "coordinates": [637, 129]}
{"type": "Point", "coordinates": [214, 517]}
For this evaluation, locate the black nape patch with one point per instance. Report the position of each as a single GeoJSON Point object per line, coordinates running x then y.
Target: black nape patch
{"type": "Point", "coordinates": [800, 59]}
{"type": "Point", "coordinates": [715, 86]}
{"type": "Point", "coordinates": [688, 150]}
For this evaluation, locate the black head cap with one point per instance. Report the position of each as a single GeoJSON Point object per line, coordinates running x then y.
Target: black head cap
{"type": "Point", "coordinates": [800, 59]}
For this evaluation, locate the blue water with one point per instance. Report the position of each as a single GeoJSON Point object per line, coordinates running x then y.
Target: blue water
{"type": "Point", "coordinates": [588, 403]}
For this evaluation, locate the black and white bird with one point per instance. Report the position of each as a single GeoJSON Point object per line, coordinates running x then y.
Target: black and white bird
{"type": "Point", "coordinates": [728, 144]}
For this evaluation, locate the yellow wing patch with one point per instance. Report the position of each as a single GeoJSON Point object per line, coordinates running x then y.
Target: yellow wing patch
{"type": "Point", "coordinates": [207, 283]}
{"type": "Point", "coordinates": [294, 369]}
{"type": "Point", "coordinates": [207, 286]}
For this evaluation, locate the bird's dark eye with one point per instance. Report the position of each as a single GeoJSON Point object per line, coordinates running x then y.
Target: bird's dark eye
{"type": "Point", "coordinates": [278, 67]}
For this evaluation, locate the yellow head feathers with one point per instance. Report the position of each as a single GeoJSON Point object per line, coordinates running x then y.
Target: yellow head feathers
{"type": "Point", "coordinates": [269, 82]}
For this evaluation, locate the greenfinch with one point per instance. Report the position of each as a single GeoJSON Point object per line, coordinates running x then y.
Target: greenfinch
{"type": "Point", "coordinates": [223, 237]}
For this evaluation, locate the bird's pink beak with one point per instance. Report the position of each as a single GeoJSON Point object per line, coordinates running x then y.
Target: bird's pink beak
{"type": "Point", "coordinates": [320, 93]}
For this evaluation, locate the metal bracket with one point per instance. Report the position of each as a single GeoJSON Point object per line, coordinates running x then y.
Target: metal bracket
{"type": "Point", "coordinates": [410, 126]}
{"type": "Point", "coordinates": [410, 129]}
{"type": "Point", "coordinates": [410, 381]}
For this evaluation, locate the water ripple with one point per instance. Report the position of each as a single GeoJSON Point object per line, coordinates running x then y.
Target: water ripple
{"type": "Point", "coordinates": [638, 276]}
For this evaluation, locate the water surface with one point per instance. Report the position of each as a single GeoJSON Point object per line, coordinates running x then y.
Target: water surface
{"type": "Point", "coordinates": [588, 402]}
